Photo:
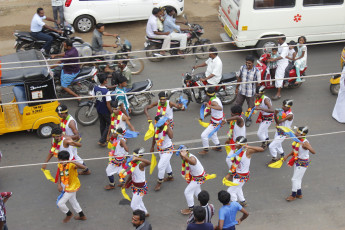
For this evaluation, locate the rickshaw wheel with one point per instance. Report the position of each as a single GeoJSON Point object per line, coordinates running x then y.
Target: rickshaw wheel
{"type": "Point", "coordinates": [45, 130]}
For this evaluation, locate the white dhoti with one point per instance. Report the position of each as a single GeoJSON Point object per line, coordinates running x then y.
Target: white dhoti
{"type": "Point", "coordinates": [263, 130]}
{"type": "Point", "coordinates": [236, 192]}
{"type": "Point", "coordinates": [280, 72]}
{"type": "Point", "coordinates": [193, 189]}
{"type": "Point", "coordinates": [137, 203]}
{"type": "Point", "coordinates": [182, 38]}
{"type": "Point", "coordinates": [113, 169]}
{"type": "Point", "coordinates": [298, 173]}
{"type": "Point", "coordinates": [339, 108]}
{"type": "Point", "coordinates": [164, 165]}
{"type": "Point", "coordinates": [72, 198]}
{"type": "Point", "coordinates": [276, 145]}
{"type": "Point", "coordinates": [204, 136]}
{"type": "Point", "coordinates": [228, 160]}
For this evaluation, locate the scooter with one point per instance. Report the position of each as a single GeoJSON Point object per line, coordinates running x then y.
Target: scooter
{"type": "Point", "coordinates": [87, 114]}
{"type": "Point", "coordinates": [225, 93]}
{"type": "Point", "coordinates": [193, 39]}
{"type": "Point", "coordinates": [24, 40]}
{"type": "Point", "coordinates": [335, 79]}
{"type": "Point", "coordinates": [81, 85]}
{"type": "Point", "coordinates": [265, 74]}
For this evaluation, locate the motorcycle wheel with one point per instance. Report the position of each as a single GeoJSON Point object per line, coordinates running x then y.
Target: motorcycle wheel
{"type": "Point", "coordinates": [135, 65]}
{"type": "Point", "coordinates": [334, 88]}
{"type": "Point", "coordinates": [175, 97]}
{"type": "Point", "coordinates": [86, 115]}
{"type": "Point", "coordinates": [151, 53]}
{"type": "Point", "coordinates": [138, 106]}
{"type": "Point", "coordinates": [228, 99]}
{"type": "Point", "coordinates": [201, 49]}
{"type": "Point", "coordinates": [23, 46]}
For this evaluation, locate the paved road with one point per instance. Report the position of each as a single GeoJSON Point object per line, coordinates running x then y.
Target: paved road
{"type": "Point", "coordinates": [33, 203]}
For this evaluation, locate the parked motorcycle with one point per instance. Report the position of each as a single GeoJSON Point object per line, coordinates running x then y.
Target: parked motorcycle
{"type": "Point", "coordinates": [24, 41]}
{"type": "Point", "coordinates": [193, 39]}
{"type": "Point", "coordinates": [81, 85]}
{"type": "Point", "coordinates": [335, 80]}
{"type": "Point", "coordinates": [265, 74]}
{"type": "Point", "coordinates": [135, 65]}
{"type": "Point", "coordinates": [87, 114]}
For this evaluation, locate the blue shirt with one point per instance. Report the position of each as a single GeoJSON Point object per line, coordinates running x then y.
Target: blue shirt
{"type": "Point", "coordinates": [170, 25]}
{"type": "Point", "coordinates": [228, 214]}
{"type": "Point", "coordinates": [204, 226]}
{"type": "Point", "coordinates": [101, 102]}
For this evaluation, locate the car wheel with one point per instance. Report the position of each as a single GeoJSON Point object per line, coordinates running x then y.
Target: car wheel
{"type": "Point", "coordinates": [45, 130]}
{"type": "Point", "coordinates": [84, 23]}
{"type": "Point", "coordinates": [267, 45]}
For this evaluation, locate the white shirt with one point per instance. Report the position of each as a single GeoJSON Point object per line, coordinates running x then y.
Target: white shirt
{"type": "Point", "coordinates": [138, 176]}
{"type": "Point", "coordinates": [216, 115]}
{"type": "Point", "coordinates": [37, 23]}
{"type": "Point", "coordinates": [283, 51]}
{"type": "Point", "coordinates": [239, 131]}
{"type": "Point", "coordinates": [303, 153]}
{"type": "Point", "coordinates": [120, 151]}
{"type": "Point", "coordinates": [166, 142]}
{"type": "Point", "coordinates": [72, 151]}
{"type": "Point", "coordinates": [168, 112]}
{"type": "Point", "coordinates": [244, 164]}
{"type": "Point", "coordinates": [57, 2]}
{"type": "Point", "coordinates": [197, 169]}
{"type": "Point", "coordinates": [291, 52]}
{"type": "Point", "coordinates": [214, 66]}
{"type": "Point", "coordinates": [151, 26]}
{"type": "Point", "coordinates": [69, 131]}
{"type": "Point", "coordinates": [264, 106]}
{"type": "Point", "coordinates": [287, 123]}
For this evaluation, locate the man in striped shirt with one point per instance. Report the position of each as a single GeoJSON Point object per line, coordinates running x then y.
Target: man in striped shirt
{"type": "Point", "coordinates": [203, 198]}
{"type": "Point", "coordinates": [247, 73]}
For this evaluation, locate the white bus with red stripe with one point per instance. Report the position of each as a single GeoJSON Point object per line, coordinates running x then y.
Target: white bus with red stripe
{"type": "Point", "coordinates": [246, 22]}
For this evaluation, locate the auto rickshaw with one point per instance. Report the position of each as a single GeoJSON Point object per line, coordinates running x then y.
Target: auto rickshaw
{"type": "Point", "coordinates": [27, 85]}
{"type": "Point", "coordinates": [335, 80]}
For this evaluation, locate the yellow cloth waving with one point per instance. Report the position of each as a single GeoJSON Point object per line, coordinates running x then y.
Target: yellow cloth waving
{"type": "Point", "coordinates": [153, 163]}
{"type": "Point", "coordinates": [203, 124]}
{"type": "Point", "coordinates": [124, 194]}
{"type": "Point", "coordinates": [150, 132]}
{"type": "Point", "coordinates": [48, 175]}
{"type": "Point", "coordinates": [276, 165]}
{"type": "Point", "coordinates": [228, 183]}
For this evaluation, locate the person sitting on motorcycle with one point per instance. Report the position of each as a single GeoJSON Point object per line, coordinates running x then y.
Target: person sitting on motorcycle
{"type": "Point", "coordinates": [213, 73]}
{"type": "Point", "coordinates": [127, 73]}
{"type": "Point", "coordinates": [121, 96]}
{"type": "Point", "coordinates": [37, 25]}
{"type": "Point", "coordinates": [69, 72]}
{"type": "Point", "coordinates": [170, 26]}
{"type": "Point", "coordinates": [97, 43]}
{"type": "Point", "coordinates": [153, 32]}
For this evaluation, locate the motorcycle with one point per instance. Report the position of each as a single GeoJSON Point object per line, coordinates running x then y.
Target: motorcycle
{"type": "Point", "coordinates": [87, 114]}
{"type": "Point", "coordinates": [193, 39]}
{"type": "Point", "coordinates": [265, 74]}
{"type": "Point", "coordinates": [335, 80]}
{"type": "Point", "coordinates": [225, 93]}
{"type": "Point", "coordinates": [81, 85]}
{"type": "Point", "coordinates": [135, 65]}
{"type": "Point", "coordinates": [24, 40]}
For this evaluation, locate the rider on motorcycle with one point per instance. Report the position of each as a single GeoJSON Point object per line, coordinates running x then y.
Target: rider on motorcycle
{"type": "Point", "coordinates": [170, 26]}
{"type": "Point", "coordinates": [37, 25]}
{"type": "Point", "coordinates": [69, 72]}
{"type": "Point", "coordinates": [213, 73]}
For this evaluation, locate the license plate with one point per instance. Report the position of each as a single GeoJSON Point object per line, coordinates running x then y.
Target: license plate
{"type": "Point", "coordinates": [227, 30]}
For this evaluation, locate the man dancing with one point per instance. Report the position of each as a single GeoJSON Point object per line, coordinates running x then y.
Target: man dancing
{"type": "Point", "coordinates": [216, 110]}
{"type": "Point", "coordinates": [116, 157]}
{"type": "Point", "coordinates": [299, 161]}
{"type": "Point", "coordinates": [163, 136]}
{"type": "Point", "coordinates": [68, 124]}
{"type": "Point", "coordinates": [283, 117]}
{"type": "Point", "coordinates": [239, 169]}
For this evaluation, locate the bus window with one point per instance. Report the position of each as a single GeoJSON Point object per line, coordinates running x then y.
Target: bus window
{"type": "Point", "coordinates": [322, 2]}
{"type": "Point", "coordinates": [267, 4]}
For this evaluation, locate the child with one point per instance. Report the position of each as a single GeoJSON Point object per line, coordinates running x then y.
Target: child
{"type": "Point", "coordinates": [272, 65]}
{"type": "Point", "coordinates": [291, 57]}
{"type": "Point", "coordinates": [203, 198]}
{"type": "Point", "coordinates": [70, 184]}
{"type": "Point", "coordinates": [301, 58]}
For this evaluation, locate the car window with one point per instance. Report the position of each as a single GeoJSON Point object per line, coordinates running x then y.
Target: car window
{"type": "Point", "coordinates": [322, 2]}
{"type": "Point", "coordinates": [268, 4]}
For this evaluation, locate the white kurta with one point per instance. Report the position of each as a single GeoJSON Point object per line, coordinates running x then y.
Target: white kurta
{"type": "Point", "coordinates": [339, 108]}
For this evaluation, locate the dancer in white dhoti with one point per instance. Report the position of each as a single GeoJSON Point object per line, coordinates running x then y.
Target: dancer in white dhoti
{"type": "Point", "coordinates": [339, 108]}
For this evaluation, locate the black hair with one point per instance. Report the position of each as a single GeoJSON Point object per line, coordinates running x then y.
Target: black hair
{"type": "Point", "coordinates": [155, 11]}
{"type": "Point", "coordinates": [236, 109]}
{"type": "Point", "coordinates": [275, 49]}
{"type": "Point", "coordinates": [124, 62]}
{"type": "Point", "coordinates": [57, 130]}
{"type": "Point", "coordinates": [241, 139]}
{"type": "Point", "coordinates": [292, 43]}
{"type": "Point", "coordinates": [69, 43]}
{"type": "Point", "coordinates": [63, 155]}
{"type": "Point", "coordinates": [169, 9]}
{"type": "Point", "coordinates": [283, 38]}
{"type": "Point", "coordinates": [211, 90]}
{"type": "Point", "coordinates": [139, 151]}
{"type": "Point", "coordinates": [203, 197]}
{"type": "Point", "coordinates": [39, 10]}
{"type": "Point", "coordinates": [99, 25]}
{"type": "Point", "coordinates": [119, 130]}
{"type": "Point", "coordinates": [305, 131]}
{"type": "Point", "coordinates": [157, 118]}
{"type": "Point", "coordinates": [114, 104]}
{"type": "Point", "coordinates": [258, 88]}
{"type": "Point", "coordinates": [121, 79]}
{"type": "Point", "coordinates": [102, 78]}
{"type": "Point", "coordinates": [139, 213]}
{"type": "Point", "coordinates": [162, 94]}
{"type": "Point", "coordinates": [224, 197]}
{"type": "Point", "coordinates": [288, 102]}
{"type": "Point", "coordinates": [250, 58]}
{"type": "Point", "coordinates": [61, 107]}
{"type": "Point", "coordinates": [213, 50]}
{"type": "Point", "coordinates": [305, 40]}
{"type": "Point", "coordinates": [199, 213]}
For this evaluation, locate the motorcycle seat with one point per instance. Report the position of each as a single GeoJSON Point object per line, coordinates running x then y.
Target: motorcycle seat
{"type": "Point", "coordinates": [25, 34]}
{"type": "Point", "coordinates": [85, 71]}
{"type": "Point", "coordinates": [157, 40]}
{"type": "Point", "coordinates": [228, 77]}
{"type": "Point", "coordinates": [139, 86]}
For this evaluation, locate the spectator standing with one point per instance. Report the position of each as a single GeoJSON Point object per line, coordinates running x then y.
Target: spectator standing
{"type": "Point", "coordinates": [203, 198]}
{"type": "Point", "coordinates": [338, 111]}
{"type": "Point", "coordinates": [291, 57]}
{"type": "Point", "coordinates": [139, 222]}
{"type": "Point", "coordinates": [199, 214]}
{"type": "Point", "coordinates": [227, 213]}
{"type": "Point", "coordinates": [301, 57]}
{"type": "Point", "coordinates": [4, 196]}
{"type": "Point", "coordinates": [272, 65]}
{"type": "Point", "coordinates": [121, 96]}
{"type": "Point", "coordinates": [57, 6]}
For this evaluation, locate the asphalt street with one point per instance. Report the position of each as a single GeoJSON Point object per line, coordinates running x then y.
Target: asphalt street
{"type": "Point", "coordinates": [32, 205]}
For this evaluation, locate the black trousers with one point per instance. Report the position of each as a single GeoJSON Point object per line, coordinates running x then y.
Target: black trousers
{"type": "Point", "coordinates": [104, 121]}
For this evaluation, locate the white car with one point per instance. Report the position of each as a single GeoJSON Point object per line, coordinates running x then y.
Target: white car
{"type": "Point", "coordinates": [83, 15]}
